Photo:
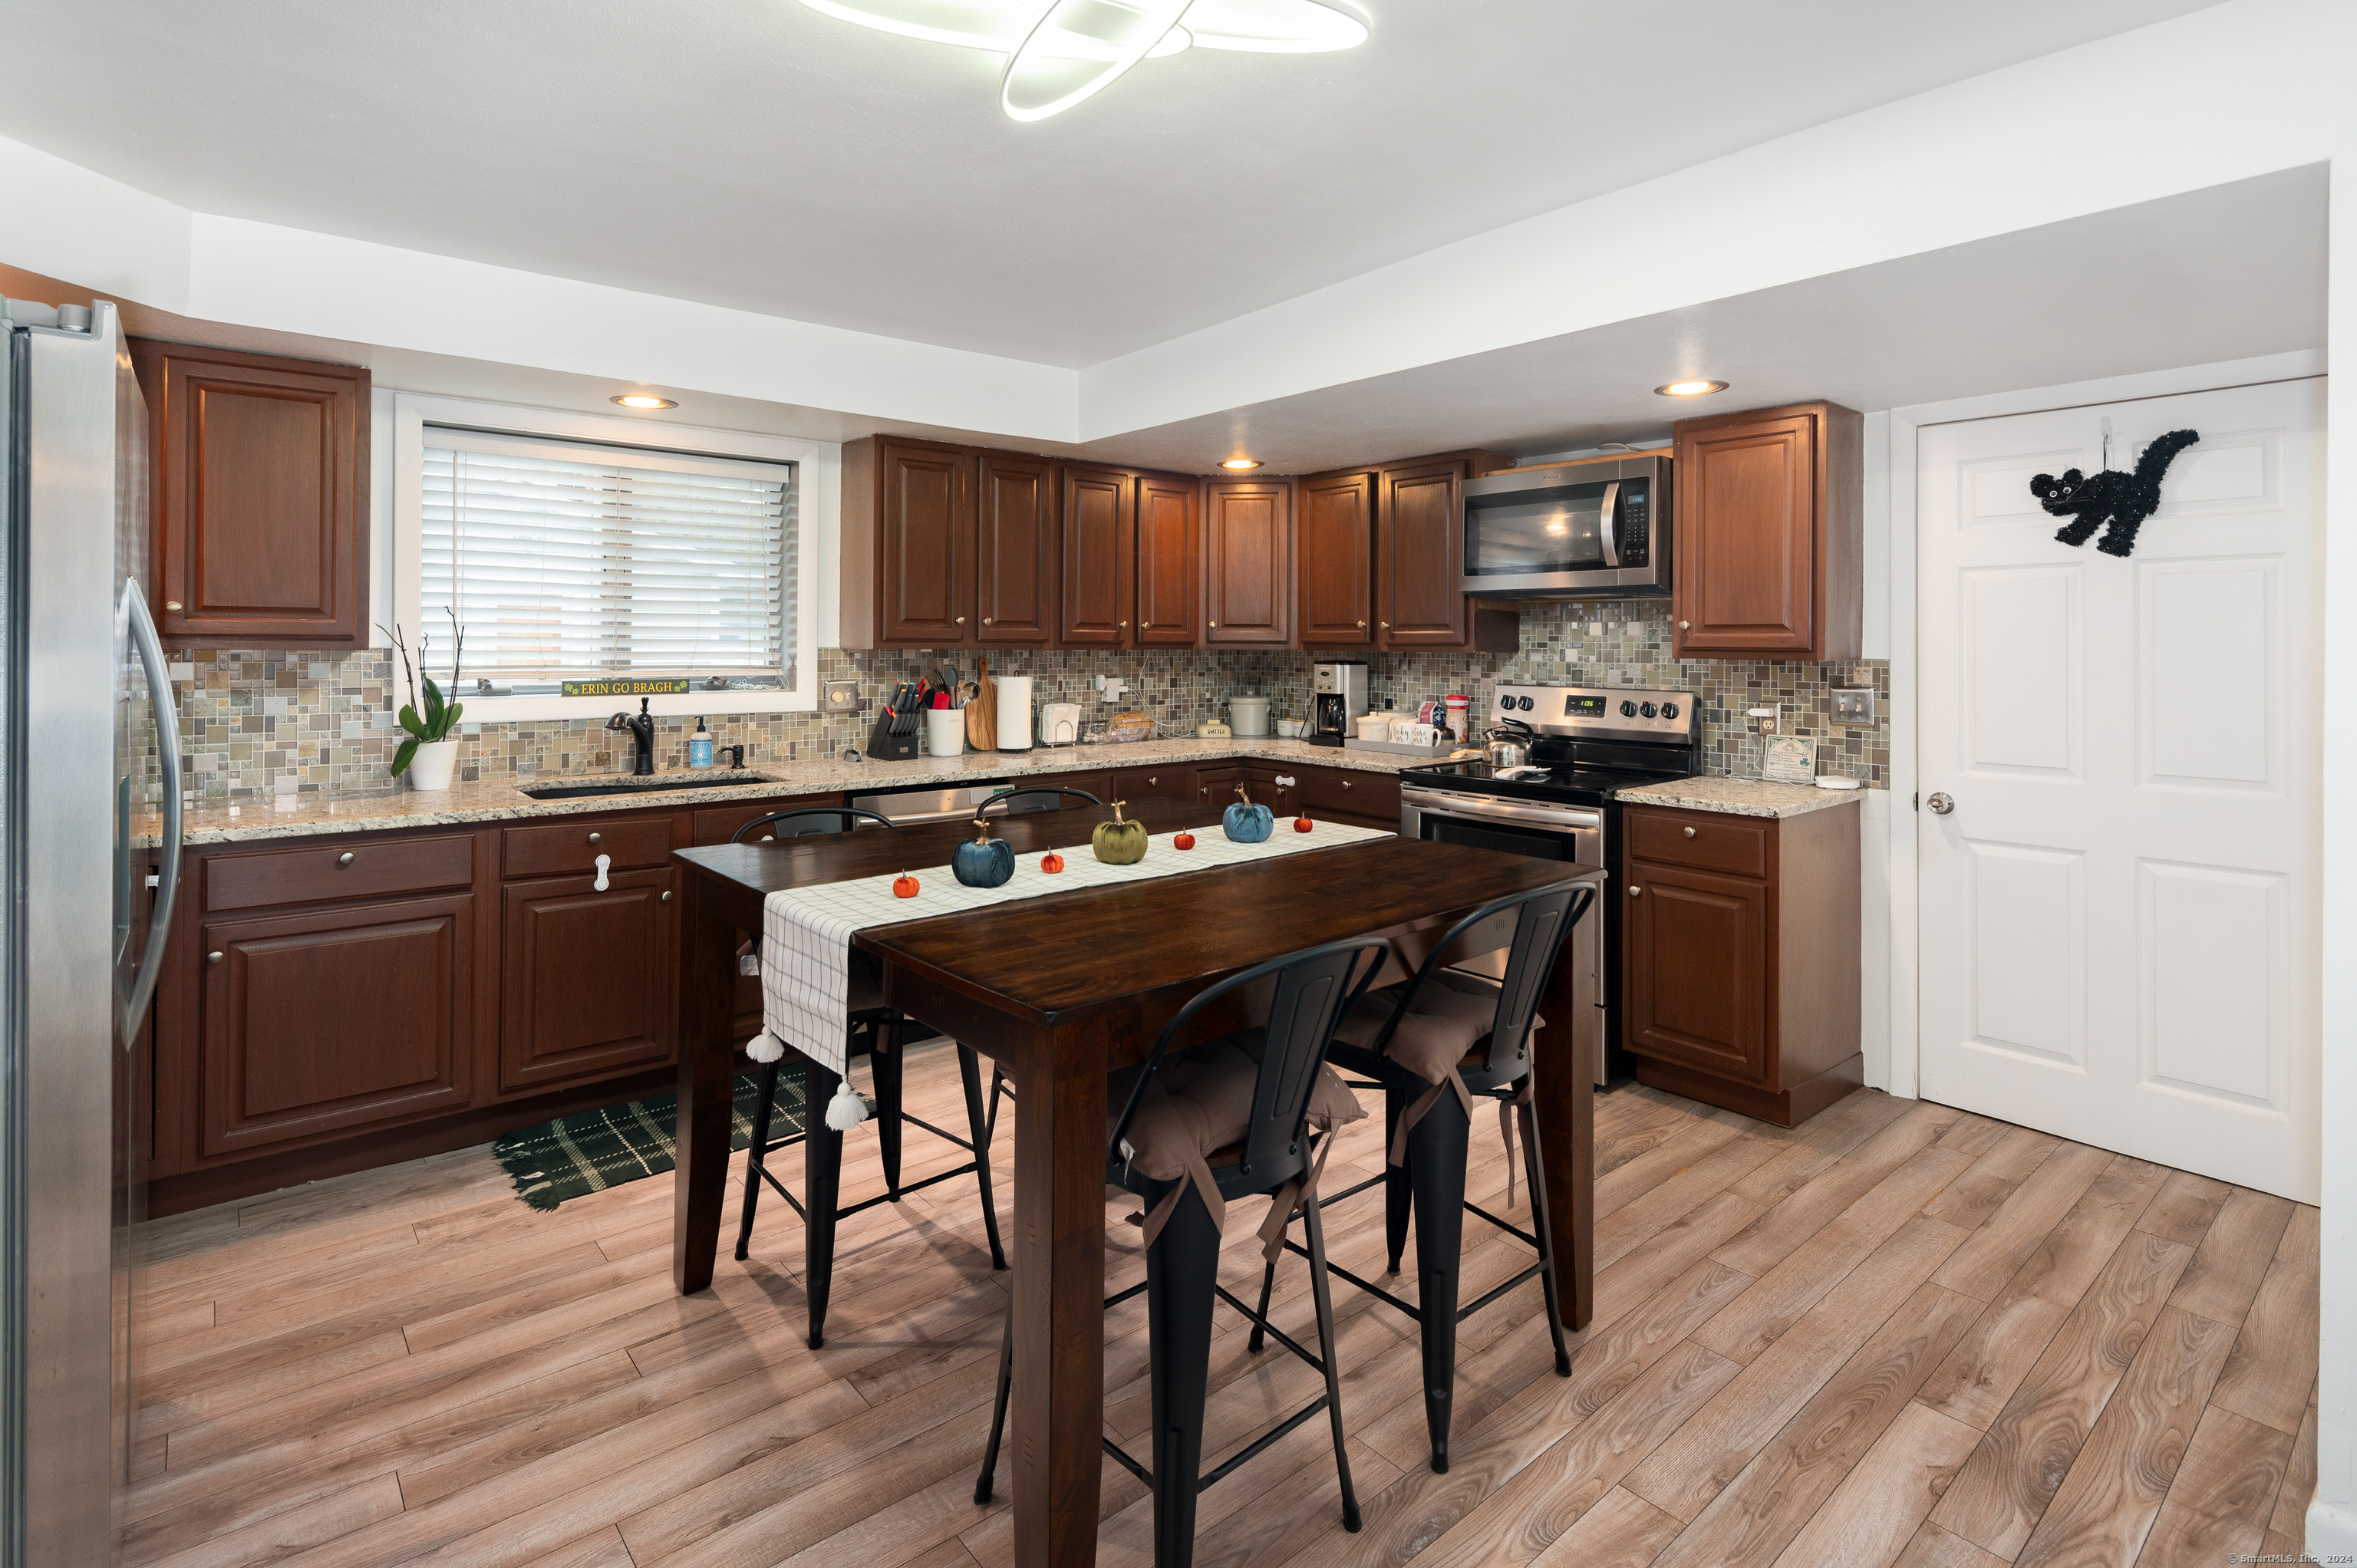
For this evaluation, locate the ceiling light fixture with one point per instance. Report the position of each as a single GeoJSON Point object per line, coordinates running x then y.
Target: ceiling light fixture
{"type": "Point", "coordinates": [1691, 389]}
{"type": "Point", "coordinates": [1241, 463]}
{"type": "Point", "coordinates": [1064, 52]}
{"type": "Point", "coordinates": [641, 400]}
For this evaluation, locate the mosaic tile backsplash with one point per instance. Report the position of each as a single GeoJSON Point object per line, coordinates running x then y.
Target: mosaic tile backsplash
{"type": "Point", "coordinates": [255, 723]}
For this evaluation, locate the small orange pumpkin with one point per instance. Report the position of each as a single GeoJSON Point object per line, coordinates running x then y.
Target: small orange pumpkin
{"type": "Point", "coordinates": [1301, 824]}
{"type": "Point", "coordinates": [904, 886]}
{"type": "Point", "coordinates": [1184, 840]}
{"type": "Point", "coordinates": [1051, 863]}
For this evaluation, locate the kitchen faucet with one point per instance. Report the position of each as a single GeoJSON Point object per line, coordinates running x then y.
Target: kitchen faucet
{"type": "Point", "coordinates": [641, 725]}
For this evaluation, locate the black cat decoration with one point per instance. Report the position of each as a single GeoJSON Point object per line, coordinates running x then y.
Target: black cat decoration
{"type": "Point", "coordinates": [2122, 500]}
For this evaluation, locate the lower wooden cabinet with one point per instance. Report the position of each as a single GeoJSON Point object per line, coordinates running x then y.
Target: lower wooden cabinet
{"type": "Point", "coordinates": [589, 977]}
{"type": "Point", "coordinates": [334, 1020]}
{"type": "Point", "coordinates": [1739, 957]}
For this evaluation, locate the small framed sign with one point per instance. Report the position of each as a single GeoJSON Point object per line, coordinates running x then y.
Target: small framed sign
{"type": "Point", "coordinates": [626, 686]}
{"type": "Point", "coordinates": [1789, 760]}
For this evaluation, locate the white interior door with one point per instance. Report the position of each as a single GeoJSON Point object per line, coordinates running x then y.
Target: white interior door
{"type": "Point", "coordinates": [2120, 912]}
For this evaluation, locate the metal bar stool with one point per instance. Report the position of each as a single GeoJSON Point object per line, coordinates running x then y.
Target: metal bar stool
{"type": "Point", "coordinates": [1237, 1116]}
{"type": "Point", "coordinates": [879, 1032]}
{"type": "Point", "coordinates": [1432, 1045]}
{"type": "Point", "coordinates": [1008, 797]}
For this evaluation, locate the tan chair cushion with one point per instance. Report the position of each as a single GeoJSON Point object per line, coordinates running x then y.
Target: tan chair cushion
{"type": "Point", "coordinates": [1453, 1015]}
{"type": "Point", "coordinates": [1200, 1102]}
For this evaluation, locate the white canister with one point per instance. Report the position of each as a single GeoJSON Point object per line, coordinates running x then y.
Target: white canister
{"type": "Point", "coordinates": [1248, 715]}
{"type": "Point", "coordinates": [1014, 712]}
{"type": "Point", "coordinates": [1374, 726]}
{"type": "Point", "coordinates": [945, 731]}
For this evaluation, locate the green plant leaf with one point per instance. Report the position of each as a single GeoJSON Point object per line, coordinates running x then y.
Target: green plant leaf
{"type": "Point", "coordinates": [433, 721]}
{"type": "Point", "coordinates": [412, 723]}
{"type": "Point", "coordinates": [450, 717]}
{"type": "Point", "coordinates": [401, 759]}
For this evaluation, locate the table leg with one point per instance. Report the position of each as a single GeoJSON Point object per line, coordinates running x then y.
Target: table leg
{"type": "Point", "coordinates": [1059, 1246]}
{"type": "Point", "coordinates": [1564, 1116]}
{"type": "Point", "coordinates": [708, 1076]}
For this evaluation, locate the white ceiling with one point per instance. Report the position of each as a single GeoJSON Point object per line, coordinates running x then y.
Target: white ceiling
{"type": "Point", "coordinates": [757, 155]}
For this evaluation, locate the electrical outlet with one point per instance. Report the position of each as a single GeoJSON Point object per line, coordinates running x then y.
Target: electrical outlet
{"type": "Point", "coordinates": [842, 697]}
{"type": "Point", "coordinates": [1853, 705]}
{"type": "Point", "coordinates": [1767, 721]}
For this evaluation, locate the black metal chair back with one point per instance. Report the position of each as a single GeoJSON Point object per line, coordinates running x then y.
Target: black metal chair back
{"type": "Point", "coordinates": [844, 820]}
{"type": "Point", "coordinates": [1315, 988]}
{"type": "Point", "coordinates": [1008, 797]}
{"type": "Point", "coordinates": [1543, 917]}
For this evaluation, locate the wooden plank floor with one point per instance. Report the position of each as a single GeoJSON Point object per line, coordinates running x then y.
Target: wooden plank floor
{"type": "Point", "coordinates": [1899, 1335]}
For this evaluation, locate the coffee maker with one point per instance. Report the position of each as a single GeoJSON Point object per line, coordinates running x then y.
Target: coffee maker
{"type": "Point", "coordinates": [1338, 695]}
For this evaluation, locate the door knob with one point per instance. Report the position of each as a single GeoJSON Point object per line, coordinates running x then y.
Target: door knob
{"type": "Point", "coordinates": [345, 858]}
{"type": "Point", "coordinates": [1941, 802]}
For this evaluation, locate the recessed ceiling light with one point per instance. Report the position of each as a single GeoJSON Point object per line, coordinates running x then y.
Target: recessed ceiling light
{"type": "Point", "coordinates": [1068, 51]}
{"type": "Point", "coordinates": [642, 399]}
{"type": "Point", "coordinates": [1691, 389]}
{"type": "Point", "coordinates": [1240, 463]}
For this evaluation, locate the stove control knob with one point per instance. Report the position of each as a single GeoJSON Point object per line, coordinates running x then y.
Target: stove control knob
{"type": "Point", "coordinates": [1649, 710]}
{"type": "Point", "coordinates": [1628, 710]}
{"type": "Point", "coordinates": [1668, 710]}
{"type": "Point", "coordinates": [1507, 703]}
{"type": "Point", "coordinates": [1523, 703]}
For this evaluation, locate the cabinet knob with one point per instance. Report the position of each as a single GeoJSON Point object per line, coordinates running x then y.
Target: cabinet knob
{"type": "Point", "coordinates": [1151, 780]}
{"type": "Point", "coordinates": [597, 838]}
{"type": "Point", "coordinates": [1361, 626]}
{"type": "Point", "coordinates": [1684, 625]}
{"type": "Point", "coordinates": [1688, 831]}
{"type": "Point", "coordinates": [768, 838]}
{"type": "Point", "coordinates": [171, 604]}
{"type": "Point", "coordinates": [1636, 893]}
{"type": "Point", "coordinates": [1385, 626]}
{"type": "Point", "coordinates": [960, 620]}
{"type": "Point", "coordinates": [345, 858]}
{"type": "Point", "coordinates": [987, 620]}
{"type": "Point", "coordinates": [1346, 783]}
{"type": "Point", "coordinates": [1215, 626]}
{"type": "Point", "coordinates": [1122, 624]}
{"type": "Point", "coordinates": [1145, 626]}
{"type": "Point", "coordinates": [214, 957]}
{"type": "Point", "coordinates": [666, 896]}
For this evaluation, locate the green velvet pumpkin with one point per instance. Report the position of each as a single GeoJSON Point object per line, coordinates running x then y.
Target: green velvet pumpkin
{"type": "Point", "coordinates": [1118, 842]}
{"type": "Point", "coordinates": [983, 861]}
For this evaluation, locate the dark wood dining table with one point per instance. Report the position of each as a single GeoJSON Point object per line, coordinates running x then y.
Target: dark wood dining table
{"type": "Point", "coordinates": [1059, 991]}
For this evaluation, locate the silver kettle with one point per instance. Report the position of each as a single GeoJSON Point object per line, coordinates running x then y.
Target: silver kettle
{"type": "Point", "coordinates": [1508, 744]}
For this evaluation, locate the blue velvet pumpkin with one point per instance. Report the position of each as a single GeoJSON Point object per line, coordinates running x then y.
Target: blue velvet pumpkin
{"type": "Point", "coordinates": [983, 861]}
{"type": "Point", "coordinates": [1245, 823]}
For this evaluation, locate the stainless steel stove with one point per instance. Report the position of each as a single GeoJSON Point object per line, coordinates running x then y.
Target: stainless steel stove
{"type": "Point", "coordinates": [1589, 743]}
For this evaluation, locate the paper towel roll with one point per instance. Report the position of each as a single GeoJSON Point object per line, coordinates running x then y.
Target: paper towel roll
{"type": "Point", "coordinates": [1014, 712]}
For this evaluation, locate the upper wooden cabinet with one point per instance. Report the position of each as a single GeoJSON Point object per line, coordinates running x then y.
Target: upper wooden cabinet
{"type": "Point", "coordinates": [1771, 535]}
{"type": "Point", "coordinates": [1169, 561]}
{"type": "Point", "coordinates": [1099, 558]}
{"type": "Point", "coordinates": [1337, 585]}
{"type": "Point", "coordinates": [908, 535]}
{"type": "Point", "coordinates": [1248, 562]}
{"type": "Point", "coordinates": [1016, 551]}
{"type": "Point", "coordinates": [259, 517]}
{"type": "Point", "coordinates": [1420, 556]}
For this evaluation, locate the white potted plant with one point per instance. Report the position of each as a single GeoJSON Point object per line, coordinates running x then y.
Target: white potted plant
{"type": "Point", "coordinates": [428, 755]}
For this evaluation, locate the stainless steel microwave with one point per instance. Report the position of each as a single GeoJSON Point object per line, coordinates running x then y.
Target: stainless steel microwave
{"type": "Point", "coordinates": [1595, 529]}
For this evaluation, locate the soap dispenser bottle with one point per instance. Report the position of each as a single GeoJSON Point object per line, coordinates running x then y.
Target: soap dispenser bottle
{"type": "Point", "coordinates": [699, 746]}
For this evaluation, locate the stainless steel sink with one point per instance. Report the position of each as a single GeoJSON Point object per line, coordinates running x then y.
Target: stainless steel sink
{"type": "Point", "coordinates": [655, 784]}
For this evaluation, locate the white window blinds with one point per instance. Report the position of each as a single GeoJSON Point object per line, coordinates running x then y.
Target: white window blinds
{"type": "Point", "coordinates": [569, 560]}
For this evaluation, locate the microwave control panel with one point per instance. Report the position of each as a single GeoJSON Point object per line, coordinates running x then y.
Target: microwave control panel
{"type": "Point", "coordinates": [1636, 523]}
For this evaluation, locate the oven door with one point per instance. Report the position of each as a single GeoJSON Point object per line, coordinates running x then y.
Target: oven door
{"type": "Point", "coordinates": [1573, 834]}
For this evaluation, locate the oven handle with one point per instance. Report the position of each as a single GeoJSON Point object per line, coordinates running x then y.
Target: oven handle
{"type": "Point", "coordinates": [1448, 802]}
{"type": "Point", "coordinates": [1607, 527]}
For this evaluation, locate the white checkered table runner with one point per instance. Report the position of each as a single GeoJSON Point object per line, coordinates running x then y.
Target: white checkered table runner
{"type": "Point", "coordinates": [806, 931]}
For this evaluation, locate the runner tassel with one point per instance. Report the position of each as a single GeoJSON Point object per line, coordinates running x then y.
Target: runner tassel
{"type": "Point", "coordinates": [764, 1048]}
{"type": "Point", "coordinates": [847, 1110]}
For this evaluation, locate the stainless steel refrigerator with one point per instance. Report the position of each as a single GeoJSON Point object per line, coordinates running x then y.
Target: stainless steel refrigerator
{"type": "Point", "coordinates": [90, 826]}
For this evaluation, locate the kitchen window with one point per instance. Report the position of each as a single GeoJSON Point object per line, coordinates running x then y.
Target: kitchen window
{"type": "Point", "coordinates": [580, 547]}
{"type": "Point", "coordinates": [566, 561]}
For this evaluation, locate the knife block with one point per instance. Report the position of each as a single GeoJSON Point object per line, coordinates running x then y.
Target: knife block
{"type": "Point", "coordinates": [885, 747]}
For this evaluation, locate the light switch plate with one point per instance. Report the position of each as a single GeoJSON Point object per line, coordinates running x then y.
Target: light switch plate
{"type": "Point", "coordinates": [842, 697]}
{"type": "Point", "coordinates": [1853, 705]}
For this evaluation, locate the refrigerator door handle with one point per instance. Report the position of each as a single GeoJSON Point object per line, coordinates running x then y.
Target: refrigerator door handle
{"type": "Point", "coordinates": [167, 747]}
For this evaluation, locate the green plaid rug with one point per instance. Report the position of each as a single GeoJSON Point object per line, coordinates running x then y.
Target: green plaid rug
{"type": "Point", "coordinates": [599, 1149]}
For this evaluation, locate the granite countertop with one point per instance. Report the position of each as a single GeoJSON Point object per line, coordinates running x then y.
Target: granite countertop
{"type": "Point", "coordinates": [390, 806]}
{"type": "Point", "coordinates": [1739, 797]}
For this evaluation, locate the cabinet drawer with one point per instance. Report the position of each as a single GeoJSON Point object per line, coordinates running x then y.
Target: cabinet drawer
{"type": "Point", "coordinates": [1708, 840]}
{"type": "Point", "coordinates": [565, 847]}
{"type": "Point", "coordinates": [1166, 781]}
{"type": "Point", "coordinates": [314, 874]}
{"type": "Point", "coordinates": [1325, 790]}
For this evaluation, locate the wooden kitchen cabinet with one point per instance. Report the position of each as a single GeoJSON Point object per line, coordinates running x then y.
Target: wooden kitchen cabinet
{"type": "Point", "coordinates": [333, 1021]}
{"type": "Point", "coordinates": [1099, 540]}
{"type": "Point", "coordinates": [1016, 551]}
{"type": "Point", "coordinates": [1336, 561]}
{"type": "Point", "coordinates": [589, 977]}
{"type": "Point", "coordinates": [1739, 957]}
{"type": "Point", "coordinates": [1248, 563]}
{"type": "Point", "coordinates": [259, 498]}
{"type": "Point", "coordinates": [909, 544]}
{"type": "Point", "coordinates": [1771, 535]}
{"type": "Point", "coordinates": [1420, 556]}
{"type": "Point", "coordinates": [1170, 555]}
